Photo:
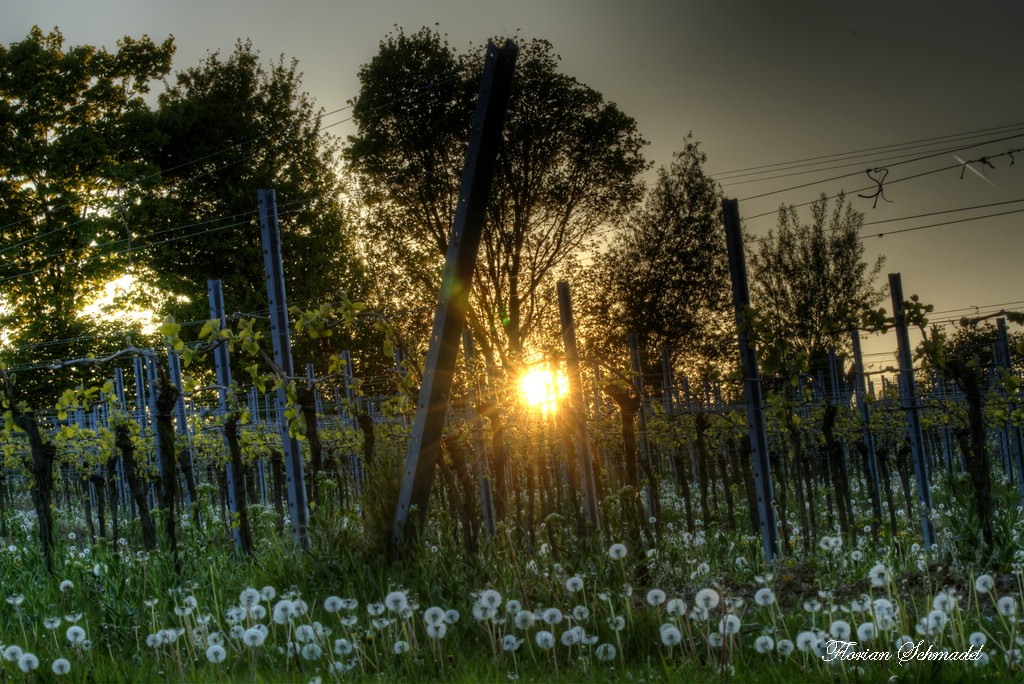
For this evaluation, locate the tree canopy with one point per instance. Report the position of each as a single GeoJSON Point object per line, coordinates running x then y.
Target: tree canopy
{"type": "Point", "coordinates": [569, 163]}
{"type": "Point", "coordinates": [665, 275]}
{"type": "Point", "coordinates": [73, 126]}
{"type": "Point", "coordinates": [810, 280]}
{"type": "Point", "coordinates": [230, 127]}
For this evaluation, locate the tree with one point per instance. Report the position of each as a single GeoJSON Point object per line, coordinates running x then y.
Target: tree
{"type": "Point", "coordinates": [73, 122]}
{"type": "Point", "coordinates": [231, 126]}
{"type": "Point", "coordinates": [665, 275]}
{"type": "Point", "coordinates": [569, 163]}
{"type": "Point", "coordinates": [810, 281]}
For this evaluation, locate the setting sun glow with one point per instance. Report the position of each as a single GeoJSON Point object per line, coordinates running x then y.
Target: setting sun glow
{"type": "Point", "coordinates": [542, 387]}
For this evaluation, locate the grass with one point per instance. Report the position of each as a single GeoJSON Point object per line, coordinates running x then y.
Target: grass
{"type": "Point", "coordinates": [143, 622]}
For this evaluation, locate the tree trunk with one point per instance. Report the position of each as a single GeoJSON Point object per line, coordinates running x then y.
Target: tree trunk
{"type": "Point", "coordinates": [41, 467]}
{"type": "Point", "coordinates": [235, 452]}
{"type": "Point", "coordinates": [123, 439]}
{"type": "Point", "coordinates": [307, 403]}
{"type": "Point", "coordinates": [973, 443]}
{"type": "Point", "coordinates": [167, 489]}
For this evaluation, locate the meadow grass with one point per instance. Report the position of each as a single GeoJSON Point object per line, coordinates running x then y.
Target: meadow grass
{"type": "Point", "coordinates": [667, 608]}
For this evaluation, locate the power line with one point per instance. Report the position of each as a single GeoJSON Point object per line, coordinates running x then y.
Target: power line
{"type": "Point", "coordinates": [807, 160]}
{"type": "Point", "coordinates": [900, 163]}
{"type": "Point", "coordinates": [943, 223]}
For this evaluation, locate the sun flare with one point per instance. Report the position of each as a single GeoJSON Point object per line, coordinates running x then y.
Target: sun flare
{"type": "Point", "coordinates": [542, 387]}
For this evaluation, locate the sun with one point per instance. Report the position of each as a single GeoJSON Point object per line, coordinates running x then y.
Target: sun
{"type": "Point", "coordinates": [542, 387]}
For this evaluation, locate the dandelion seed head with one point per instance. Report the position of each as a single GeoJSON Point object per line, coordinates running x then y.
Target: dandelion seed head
{"type": "Point", "coordinates": [311, 650]}
{"type": "Point", "coordinates": [785, 647]}
{"type": "Point", "coordinates": [1007, 606]}
{"type": "Point", "coordinates": [676, 607]}
{"type": "Point", "coordinates": [764, 644]}
{"type": "Point", "coordinates": [28, 662]}
{"type": "Point", "coordinates": [617, 551]}
{"type": "Point", "coordinates": [510, 644]}
{"type": "Point", "coordinates": [655, 597]}
{"type": "Point", "coordinates": [61, 667]}
{"type": "Point", "coordinates": [764, 597]}
{"type": "Point", "coordinates": [437, 630]}
{"type": "Point", "coordinates": [605, 652]}
{"type": "Point", "coordinates": [574, 584]}
{"type": "Point", "coordinates": [707, 599]}
{"type": "Point", "coordinates": [729, 624]}
{"type": "Point", "coordinates": [400, 647]}
{"type": "Point", "coordinates": [984, 584]}
{"type": "Point", "coordinates": [249, 597]}
{"type": "Point", "coordinates": [75, 635]}
{"type": "Point", "coordinates": [343, 647]}
{"type": "Point", "coordinates": [524, 620]}
{"type": "Point", "coordinates": [216, 654]}
{"type": "Point", "coordinates": [552, 616]}
{"type": "Point", "coordinates": [670, 634]}
{"type": "Point", "coordinates": [544, 639]}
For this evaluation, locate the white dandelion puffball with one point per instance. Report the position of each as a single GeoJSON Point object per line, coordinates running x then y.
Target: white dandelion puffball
{"type": "Point", "coordinates": [332, 604]}
{"type": "Point", "coordinates": [311, 650]}
{"type": "Point", "coordinates": [764, 597]}
{"type": "Point", "coordinates": [510, 643]}
{"type": "Point", "coordinates": [490, 598]}
{"type": "Point", "coordinates": [343, 647]}
{"type": "Point", "coordinates": [66, 586]}
{"type": "Point", "coordinates": [437, 631]}
{"type": "Point", "coordinates": [1007, 606]}
{"type": "Point", "coordinates": [570, 637]}
{"type": "Point", "coordinates": [764, 644]}
{"type": "Point", "coordinates": [544, 639]}
{"type": "Point", "coordinates": [249, 597]}
{"type": "Point", "coordinates": [840, 629]}
{"type": "Point", "coordinates": [617, 551]}
{"type": "Point", "coordinates": [28, 662]}
{"type": "Point", "coordinates": [574, 584]}
{"type": "Point", "coordinates": [977, 639]}
{"type": "Point", "coordinates": [433, 615]}
{"type": "Point", "coordinates": [216, 654]}
{"type": "Point", "coordinates": [878, 575]}
{"type": "Point", "coordinates": [867, 631]}
{"type": "Point", "coordinates": [61, 667]}
{"type": "Point", "coordinates": [670, 634]}
{"type": "Point", "coordinates": [524, 620]}
{"type": "Point", "coordinates": [253, 637]}
{"type": "Point", "coordinates": [396, 601]}
{"type": "Point", "coordinates": [729, 625]}
{"type": "Point", "coordinates": [75, 635]}
{"type": "Point", "coordinates": [605, 652]}
{"type": "Point", "coordinates": [580, 613]}
{"type": "Point", "coordinates": [552, 616]}
{"type": "Point", "coordinates": [984, 584]}
{"type": "Point", "coordinates": [401, 647]}
{"type": "Point", "coordinates": [655, 597]}
{"type": "Point", "coordinates": [785, 647]}
{"type": "Point", "coordinates": [707, 599]}
{"type": "Point", "coordinates": [676, 607]}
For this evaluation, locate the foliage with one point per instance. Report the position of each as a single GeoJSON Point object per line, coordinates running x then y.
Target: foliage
{"type": "Point", "coordinates": [569, 163]}
{"type": "Point", "coordinates": [73, 124]}
{"type": "Point", "coordinates": [230, 126]}
{"type": "Point", "coordinates": [809, 281]}
{"type": "Point", "coordinates": [665, 274]}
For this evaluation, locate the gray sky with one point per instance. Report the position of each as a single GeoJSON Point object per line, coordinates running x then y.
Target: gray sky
{"type": "Point", "coordinates": [758, 83]}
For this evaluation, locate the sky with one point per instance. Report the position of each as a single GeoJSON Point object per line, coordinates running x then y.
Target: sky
{"type": "Point", "coordinates": [758, 84]}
